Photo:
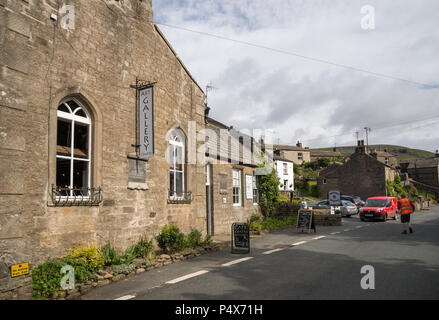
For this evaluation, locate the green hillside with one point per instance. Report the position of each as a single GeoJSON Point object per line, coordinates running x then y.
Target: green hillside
{"type": "Point", "coordinates": [402, 153]}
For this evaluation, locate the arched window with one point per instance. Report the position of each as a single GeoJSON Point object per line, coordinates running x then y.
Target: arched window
{"type": "Point", "coordinates": [177, 164]}
{"type": "Point", "coordinates": [73, 150]}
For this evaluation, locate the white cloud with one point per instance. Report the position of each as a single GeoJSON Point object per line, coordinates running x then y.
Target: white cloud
{"type": "Point", "coordinates": [303, 99]}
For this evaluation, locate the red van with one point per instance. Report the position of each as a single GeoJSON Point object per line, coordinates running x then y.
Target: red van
{"type": "Point", "coordinates": [379, 208]}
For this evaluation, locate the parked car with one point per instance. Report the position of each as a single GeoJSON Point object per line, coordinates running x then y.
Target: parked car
{"type": "Point", "coordinates": [355, 200]}
{"type": "Point", "coordinates": [380, 208]}
{"type": "Point", "coordinates": [347, 208]}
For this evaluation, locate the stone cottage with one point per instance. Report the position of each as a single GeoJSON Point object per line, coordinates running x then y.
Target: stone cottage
{"type": "Point", "coordinates": [231, 184]}
{"type": "Point", "coordinates": [385, 157]}
{"type": "Point", "coordinates": [98, 126]}
{"type": "Point", "coordinates": [424, 171]}
{"type": "Point", "coordinates": [362, 175]}
{"type": "Point", "coordinates": [297, 154]}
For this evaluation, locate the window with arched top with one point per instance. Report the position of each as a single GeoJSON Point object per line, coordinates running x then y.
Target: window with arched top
{"type": "Point", "coordinates": [177, 164]}
{"type": "Point", "coordinates": [73, 149]}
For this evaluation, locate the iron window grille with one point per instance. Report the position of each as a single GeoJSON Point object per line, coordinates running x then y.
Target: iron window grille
{"type": "Point", "coordinates": [180, 198]}
{"type": "Point", "coordinates": [76, 196]}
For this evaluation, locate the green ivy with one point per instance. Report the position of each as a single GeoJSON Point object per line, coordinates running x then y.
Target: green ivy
{"type": "Point", "coordinates": [268, 187]}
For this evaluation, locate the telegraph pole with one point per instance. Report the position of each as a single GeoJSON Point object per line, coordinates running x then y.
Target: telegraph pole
{"type": "Point", "coordinates": [367, 135]}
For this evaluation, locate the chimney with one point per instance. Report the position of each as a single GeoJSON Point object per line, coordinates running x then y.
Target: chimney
{"type": "Point", "coordinates": [299, 145]}
{"type": "Point", "coordinates": [262, 142]}
{"type": "Point", "coordinates": [361, 148]}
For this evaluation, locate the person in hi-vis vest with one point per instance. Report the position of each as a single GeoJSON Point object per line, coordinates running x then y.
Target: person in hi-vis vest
{"type": "Point", "coordinates": [406, 208]}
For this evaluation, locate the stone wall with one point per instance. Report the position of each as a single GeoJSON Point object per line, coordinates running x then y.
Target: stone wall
{"type": "Point", "coordinates": [40, 65]}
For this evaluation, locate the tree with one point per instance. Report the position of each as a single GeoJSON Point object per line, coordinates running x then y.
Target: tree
{"type": "Point", "coordinates": [268, 187]}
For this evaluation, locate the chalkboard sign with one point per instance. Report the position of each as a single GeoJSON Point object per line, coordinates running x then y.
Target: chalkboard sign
{"type": "Point", "coordinates": [305, 221]}
{"type": "Point", "coordinates": [240, 238]}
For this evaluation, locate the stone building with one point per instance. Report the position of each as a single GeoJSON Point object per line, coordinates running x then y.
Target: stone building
{"type": "Point", "coordinates": [385, 157]}
{"type": "Point", "coordinates": [297, 154]}
{"type": "Point", "coordinates": [333, 155]}
{"type": "Point", "coordinates": [231, 184]}
{"type": "Point", "coordinates": [70, 166]}
{"type": "Point", "coordinates": [363, 175]}
{"type": "Point", "coordinates": [425, 171]}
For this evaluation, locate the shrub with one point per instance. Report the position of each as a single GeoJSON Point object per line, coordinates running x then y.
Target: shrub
{"type": "Point", "coordinates": [268, 193]}
{"type": "Point", "coordinates": [128, 256]}
{"type": "Point", "coordinates": [194, 238]}
{"type": "Point", "coordinates": [110, 254]}
{"type": "Point", "coordinates": [46, 278]}
{"type": "Point", "coordinates": [171, 239]}
{"type": "Point", "coordinates": [91, 257]}
{"type": "Point", "coordinates": [255, 226]}
{"type": "Point", "coordinates": [324, 162]}
{"type": "Point", "coordinates": [283, 198]}
{"type": "Point", "coordinates": [143, 249]}
{"type": "Point", "coordinates": [208, 239]}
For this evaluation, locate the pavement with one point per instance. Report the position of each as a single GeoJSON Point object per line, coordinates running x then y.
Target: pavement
{"type": "Point", "coordinates": [287, 265]}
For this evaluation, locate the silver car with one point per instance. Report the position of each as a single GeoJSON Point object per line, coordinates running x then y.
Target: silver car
{"type": "Point", "coordinates": [347, 208]}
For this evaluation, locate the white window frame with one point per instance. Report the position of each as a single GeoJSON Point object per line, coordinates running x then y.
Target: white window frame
{"type": "Point", "coordinates": [237, 183]}
{"type": "Point", "coordinates": [73, 118]}
{"type": "Point", "coordinates": [177, 141]}
{"type": "Point", "coordinates": [285, 166]}
{"type": "Point", "coordinates": [300, 156]}
{"type": "Point", "coordinates": [255, 188]}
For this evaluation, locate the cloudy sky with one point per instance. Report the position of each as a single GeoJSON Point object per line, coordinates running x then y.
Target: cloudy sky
{"type": "Point", "coordinates": [303, 99]}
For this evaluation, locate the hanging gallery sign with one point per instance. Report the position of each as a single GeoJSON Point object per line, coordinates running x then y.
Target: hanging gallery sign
{"type": "Point", "coordinates": [146, 122]}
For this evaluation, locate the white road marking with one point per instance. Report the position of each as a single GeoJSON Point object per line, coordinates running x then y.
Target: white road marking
{"type": "Point", "coordinates": [334, 233]}
{"type": "Point", "coordinates": [272, 251]}
{"type": "Point", "coordinates": [359, 227]}
{"type": "Point", "coordinates": [192, 275]}
{"type": "Point", "coordinates": [228, 264]}
{"type": "Point", "coordinates": [299, 243]}
{"type": "Point", "coordinates": [346, 230]}
{"type": "Point", "coordinates": [318, 238]}
{"type": "Point", "coordinates": [125, 298]}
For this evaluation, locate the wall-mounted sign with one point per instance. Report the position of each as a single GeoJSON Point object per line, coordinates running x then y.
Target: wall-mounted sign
{"type": "Point", "coordinates": [249, 186]}
{"type": "Point", "coordinates": [334, 197]}
{"type": "Point", "coordinates": [146, 122]}
{"type": "Point", "coordinates": [19, 269]}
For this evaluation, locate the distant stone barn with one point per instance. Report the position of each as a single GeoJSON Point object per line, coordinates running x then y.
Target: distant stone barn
{"type": "Point", "coordinates": [362, 175]}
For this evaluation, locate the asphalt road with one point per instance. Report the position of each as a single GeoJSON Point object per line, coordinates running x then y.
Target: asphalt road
{"type": "Point", "coordinates": [289, 265]}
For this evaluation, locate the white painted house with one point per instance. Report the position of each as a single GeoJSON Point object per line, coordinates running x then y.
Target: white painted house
{"type": "Point", "coordinates": [285, 173]}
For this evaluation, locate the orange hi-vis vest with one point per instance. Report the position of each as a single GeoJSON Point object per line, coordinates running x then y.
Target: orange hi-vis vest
{"type": "Point", "coordinates": [406, 208]}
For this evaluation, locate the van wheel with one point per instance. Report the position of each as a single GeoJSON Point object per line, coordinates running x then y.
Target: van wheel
{"type": "Point", "coordinates": [384, 217]}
